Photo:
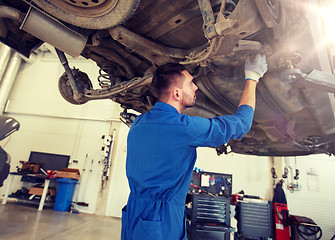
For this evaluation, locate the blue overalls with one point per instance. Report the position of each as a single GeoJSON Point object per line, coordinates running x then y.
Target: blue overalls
{"type": "Point", "coordinates": [161, 153]}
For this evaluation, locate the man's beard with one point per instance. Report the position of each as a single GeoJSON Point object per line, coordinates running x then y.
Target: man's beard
{"type": "Point", "coordinates": [189, 104]}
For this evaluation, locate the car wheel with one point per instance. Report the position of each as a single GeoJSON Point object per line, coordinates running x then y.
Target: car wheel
{"type": "Point", "coordinates": [91, 14]}
{"type": "Point", "coordinates": [273, 15]}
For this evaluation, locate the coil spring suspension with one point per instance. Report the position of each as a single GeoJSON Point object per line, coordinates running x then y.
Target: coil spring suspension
{"type": "Point", "coordinates": [230, 6]}
{"type": "Point", "coordinates": [108, 76]}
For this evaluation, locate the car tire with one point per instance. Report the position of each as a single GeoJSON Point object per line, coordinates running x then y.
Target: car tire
{"type": "Point", "coordinates": [98, 14]}
{"type": "Point", "coordinates": [273, 15]}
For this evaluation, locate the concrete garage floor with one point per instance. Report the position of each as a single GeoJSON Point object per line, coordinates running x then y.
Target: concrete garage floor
{"type": "Point", "coordinates": [26, 222]}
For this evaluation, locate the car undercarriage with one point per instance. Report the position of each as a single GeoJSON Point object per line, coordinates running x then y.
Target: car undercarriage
{"type": "Point", "coordinates": [128, 39]}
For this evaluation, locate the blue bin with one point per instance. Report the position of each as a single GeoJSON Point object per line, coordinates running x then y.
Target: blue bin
{"type": "Point", "coordinates": [64, 194]}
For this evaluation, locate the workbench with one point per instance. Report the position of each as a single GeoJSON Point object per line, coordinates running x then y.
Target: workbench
{"type": "Point", "coordinates": [37, 176]}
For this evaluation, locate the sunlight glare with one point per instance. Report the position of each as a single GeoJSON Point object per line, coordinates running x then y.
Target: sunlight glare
{"type": "Point", "coordinates": [327, 12]}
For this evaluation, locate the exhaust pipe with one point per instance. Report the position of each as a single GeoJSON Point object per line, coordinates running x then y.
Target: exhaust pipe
{"type": "Point", "coordinates": [12, 13]}
{"type": "Point", "coordinates": [8, 80]}
{"type": "Point", "coordinates": [46, 29]}
{"type": "Point", "coordinates": [5, 52]}
{"type": "Point", "coordinates": [8, 12]}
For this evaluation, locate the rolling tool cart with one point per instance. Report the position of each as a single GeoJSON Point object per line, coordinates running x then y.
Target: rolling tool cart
{"type": "Point", "coordinates": [208, 208]}
{"type": "Point", "coordinates": [254, 219]}
{"type": "Point", "coordinates": [209, 217]}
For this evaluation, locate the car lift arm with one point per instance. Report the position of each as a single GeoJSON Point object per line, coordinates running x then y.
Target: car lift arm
{"type": "Point", "coordinates": [318, 80]}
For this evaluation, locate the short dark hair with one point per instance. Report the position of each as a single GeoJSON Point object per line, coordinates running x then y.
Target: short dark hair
{"type": "Point", "coordinates": [165, 75]}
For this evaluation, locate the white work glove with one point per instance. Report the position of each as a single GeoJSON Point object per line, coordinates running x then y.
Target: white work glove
{"type": "Point", "coordinates": [255, 67]}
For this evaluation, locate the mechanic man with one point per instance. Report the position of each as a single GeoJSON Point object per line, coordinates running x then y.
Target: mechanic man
{"type": "Point", "coordinates": [161, 150]}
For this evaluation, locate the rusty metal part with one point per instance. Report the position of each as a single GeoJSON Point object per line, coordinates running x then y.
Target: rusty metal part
{"type": "Point", "coordinates": [247, 45]}
{"type": "Point", "coordinates": [289, 60]}
{"type": "Point", "coordinates": [74, 84]}
{"type": "Point", "coordinates": [228, 31]}
{"type": "Point", "coordinates": [119, 89]}
{"type": "Point", "coordinates": [222, 8]}
{"type": "Point", "coordinates": [238, 54]}
{"type": "Point", "coordinates": [239, 24]}
{"type": "Point", "coordinates": [246, 21]}
{"type": "Point", "coordinates": [81, 82]}
{"type": "Point", "coordinates": [109, 75]}
{"type": "Point", "coordinates": [242, 22]}
{"type": "Point", "coordinates": [219, 53]}
{"type": "Point", "coordinates": [77, 88]}
{"type": "Point", "coordinates": [208, 18]}
{"type": "Point", "coordinates": [189, 13]}
{"type": "Point", "coordinates": [113, 56]}
{"type": "Point", "coordinates": [211, 26]}
{"type": "Point", "coordinates": [202, 55]}
{"type": "Point", "coordinates": [85, 8]}
{"type": "Point", "coordinates": [152, 51]}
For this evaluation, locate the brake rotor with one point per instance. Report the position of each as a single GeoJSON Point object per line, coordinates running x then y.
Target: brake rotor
{"type": "Point", "coordinates": [82, 81]}
{"type": "Point", "coordinates": [86, 8]}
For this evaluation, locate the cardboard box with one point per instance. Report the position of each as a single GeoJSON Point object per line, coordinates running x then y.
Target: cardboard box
{"type": "Point", "coordinates": [30, 167]}
{"type": "Point", "coordinates": [39, 190]}
{"type": "Point", "coordinates": [68, 173]}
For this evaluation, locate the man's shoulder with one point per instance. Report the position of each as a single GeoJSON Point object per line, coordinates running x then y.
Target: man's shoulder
{"type": "Point", "coordinates": [138, 118]}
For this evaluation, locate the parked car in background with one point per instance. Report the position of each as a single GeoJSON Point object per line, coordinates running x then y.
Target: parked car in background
{"type": "Point", "coordinates": [128, 39]}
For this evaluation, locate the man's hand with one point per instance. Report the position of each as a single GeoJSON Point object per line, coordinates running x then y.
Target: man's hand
{"type": "Point", "coordinates": [255, 67]}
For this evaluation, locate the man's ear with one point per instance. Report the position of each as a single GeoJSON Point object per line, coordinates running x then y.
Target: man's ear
{"type": "Point", "coordinates": [176, 94]}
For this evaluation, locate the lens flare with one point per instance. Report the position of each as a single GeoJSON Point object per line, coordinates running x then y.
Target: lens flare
{"type": "Point", "coordinates": [328, 16]}
{"type": "Point", "coordinates": [326, 12]}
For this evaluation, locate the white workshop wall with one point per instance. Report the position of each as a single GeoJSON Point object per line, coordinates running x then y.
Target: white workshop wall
{"type": "Point", "coordinates": [118, 189]}
{"type": "Point", "coordinates": [316, 199]}
{"type": "Point", "coordinates": [50, 124]}
{"type": "Point", "coordinates": [250, 173]}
